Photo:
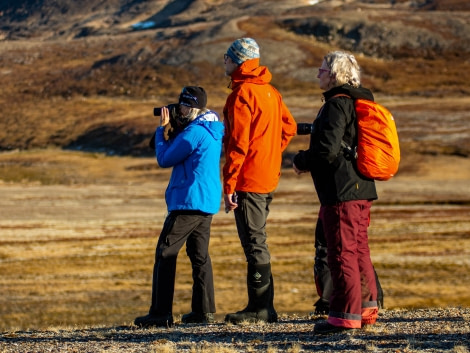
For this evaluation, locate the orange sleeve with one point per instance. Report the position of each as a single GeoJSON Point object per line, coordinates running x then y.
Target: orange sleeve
{"type": "Point", "coordinates": [289, 127]}
{"type": "Point", "coordinates": [237, 142]}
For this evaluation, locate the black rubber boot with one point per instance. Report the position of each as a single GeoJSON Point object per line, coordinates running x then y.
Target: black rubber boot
{"type": "Point", "coordinates": [260, 297]}
{"type": "Point", "coordinates": [272, 311]}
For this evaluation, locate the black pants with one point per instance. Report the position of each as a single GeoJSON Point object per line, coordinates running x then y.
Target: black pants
{"type": "Point", "coordinates": [250, 217]}
{"type": "Point", "coordinates": [321, 270]}
{"type": "Point", "coordinates": [192, 228]}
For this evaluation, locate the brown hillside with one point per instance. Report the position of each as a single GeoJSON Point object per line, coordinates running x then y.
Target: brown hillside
{"type": "Point", "coordinates": [86, 77]}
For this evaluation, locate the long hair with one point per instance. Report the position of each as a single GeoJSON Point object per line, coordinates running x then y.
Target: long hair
{"type": "Point", "coordinates": [344, 68]}
{"type": "Point", "coordinates": [193, 114]}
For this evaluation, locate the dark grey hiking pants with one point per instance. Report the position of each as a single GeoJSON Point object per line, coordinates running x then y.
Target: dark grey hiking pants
{"type": "Point", "coordinates": [250, 217]}
{"type": "Point", "coordinates": [192, 228]}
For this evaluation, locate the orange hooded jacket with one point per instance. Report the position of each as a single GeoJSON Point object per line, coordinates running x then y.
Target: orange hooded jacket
{"type": "Point", "coordinates": [258, 128]}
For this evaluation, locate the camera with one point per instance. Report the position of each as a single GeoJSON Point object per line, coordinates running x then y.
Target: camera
{"type": "Point", "coordinates": [304, 129]}
{"type": "Point", "coordinates": [173, 109]}
{"type": "Point", "coordinates": [173, 128]}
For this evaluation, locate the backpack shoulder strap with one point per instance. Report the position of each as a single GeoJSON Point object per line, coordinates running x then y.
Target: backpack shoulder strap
{"type": "Point", "coordinates": [348, 150]}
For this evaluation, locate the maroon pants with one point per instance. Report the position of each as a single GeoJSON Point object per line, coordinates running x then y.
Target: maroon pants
{"type": "Point", "coordinates": [354, 298]}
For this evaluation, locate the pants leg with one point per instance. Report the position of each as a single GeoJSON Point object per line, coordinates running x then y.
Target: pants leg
{"type": "Point", "coordinates": [197, 248]}
{"type": "Point", "coordinates": [321, 270]}
{"type": "Point", "coordinates": [176, 230]}
{"type": "Point", "coordinates": [369, 287]}
{"type": "Point", "coordinates": [250, 217]}
{"type": "Point", "coordinates": [322, 274]}
{"type": "Point", "coordinates": [344, 231]}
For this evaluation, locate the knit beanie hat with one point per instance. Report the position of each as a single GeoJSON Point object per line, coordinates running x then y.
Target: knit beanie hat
{"type": "Point", "coordinates": [193, 97]}
{"type": "Point", "coordinates": [243, 49]}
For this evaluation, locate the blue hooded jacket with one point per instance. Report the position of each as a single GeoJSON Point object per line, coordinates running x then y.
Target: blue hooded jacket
{"type": "Point", "coordinates": [194, 155]}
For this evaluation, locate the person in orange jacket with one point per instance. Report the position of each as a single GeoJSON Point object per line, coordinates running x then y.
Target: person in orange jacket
{"type": "Point", "coordinates": [258, 128]}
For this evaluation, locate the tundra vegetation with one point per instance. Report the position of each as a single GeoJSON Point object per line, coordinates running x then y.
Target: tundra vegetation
{"type": "Point", "coordinates": [82, 197]}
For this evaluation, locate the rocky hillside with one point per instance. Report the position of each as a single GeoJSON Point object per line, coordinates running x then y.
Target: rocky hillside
{"type": "Point", "coordinates": [84, 75]}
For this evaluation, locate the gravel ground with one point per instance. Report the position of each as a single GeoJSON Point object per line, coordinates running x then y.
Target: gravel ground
{"type": "Point", "coordinates": [423, 330]}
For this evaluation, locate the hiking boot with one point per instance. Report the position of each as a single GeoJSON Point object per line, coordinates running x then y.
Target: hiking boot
{"type": "Point", "coordinates": [252, 316]}
{"type": "Point", "coordinates": [154, 320]}
{"type": "Point", "coordinates": [322, 307]}
{"type": "Point", "coordinates": [325, 328]}
{"type": "Point", "coordinates": [197, 318]}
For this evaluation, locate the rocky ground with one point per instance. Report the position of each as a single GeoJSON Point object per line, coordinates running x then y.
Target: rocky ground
{"type": "Point", "coordinates": [426, 330]}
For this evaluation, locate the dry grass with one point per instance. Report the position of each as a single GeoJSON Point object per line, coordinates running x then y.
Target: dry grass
{"type": "Point", "coordinates": [78, 230]}
{"type": "Point", "coordinates": [82, 253]}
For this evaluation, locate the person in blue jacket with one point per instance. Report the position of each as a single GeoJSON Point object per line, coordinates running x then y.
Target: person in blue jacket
{"type": "Point", "coordinates": [193, 196]}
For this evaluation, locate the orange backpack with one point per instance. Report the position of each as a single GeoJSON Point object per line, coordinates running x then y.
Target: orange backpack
{"type": "Point", "coordinates": [378, 149]}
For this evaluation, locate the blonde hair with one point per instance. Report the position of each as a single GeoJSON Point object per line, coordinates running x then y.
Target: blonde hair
{"type": "Point", "coordinates": [344, 68]}
{"type": "Point", "coordinates": [193, 113]}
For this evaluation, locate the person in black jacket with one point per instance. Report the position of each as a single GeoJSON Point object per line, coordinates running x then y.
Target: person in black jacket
{"type": "Point", "coordinates": [345, 196]}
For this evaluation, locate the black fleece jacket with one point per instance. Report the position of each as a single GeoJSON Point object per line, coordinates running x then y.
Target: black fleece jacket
{"type": "Point", "coordinates": [334, 173]}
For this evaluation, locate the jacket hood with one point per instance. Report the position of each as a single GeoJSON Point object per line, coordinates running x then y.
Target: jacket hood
{"type": "Point", "coordinates": [250, 71]}
{"type": "Point", "coordinates": [213, 126]}
{"type": "Point", "coordinates": [354, 92]}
